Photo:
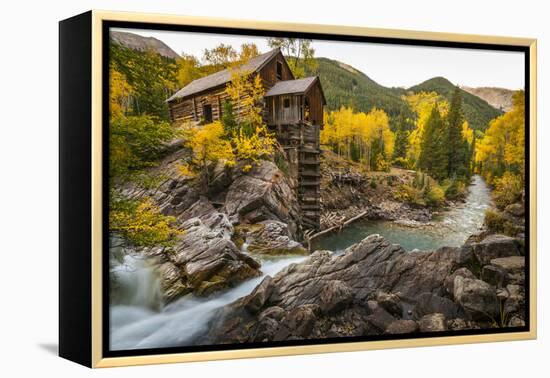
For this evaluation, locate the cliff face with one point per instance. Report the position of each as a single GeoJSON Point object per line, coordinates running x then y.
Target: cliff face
{"type": "Point", "coordinates": [499, 98]}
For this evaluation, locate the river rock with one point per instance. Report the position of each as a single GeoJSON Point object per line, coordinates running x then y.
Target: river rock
{"type": "Point", "coordinates": [390, 302]}
{"type": "Point", "coordinates": [449, 281]}
{"type": "Point", "coordinates": [379, 317]}
{"type": "Point", "coordinates": [477, 298]}
{"type": "Point", "coordinates": [516, 321]}
{"type": "Point", "coordinates": [494, 275]}
{"type": "Point", "coordinates": [515, 303]}
{"type": "Point", "coordinates": [495, 246]}
{"type": "Point", "coordinates": [171, 284]}
{"type": "Point", "coordinates": [511, 265]}
{"type": "Point", "coordinates": [429, 303]}
{"type": "Point", "coordinates": [432, 323]}
{"type": "Point", "coordinates": [402, 326]}
{"type": "Point", "coordinates": [274, 312]}
{"type": "Point", "coordinates": [298, 323]}
{"type": "Point", "coordinates": [259, 295]}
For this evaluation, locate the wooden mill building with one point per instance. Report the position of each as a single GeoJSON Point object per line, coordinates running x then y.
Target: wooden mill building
{"type": "Point", "coordinates": [293, 109]}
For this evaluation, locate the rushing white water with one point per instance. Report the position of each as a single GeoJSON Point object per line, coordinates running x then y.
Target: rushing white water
{"type": "Point", "coordinates": [136, 325]}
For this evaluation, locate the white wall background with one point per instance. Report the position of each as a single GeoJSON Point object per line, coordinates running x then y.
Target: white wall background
{"type": "Point", "coordinates": [28, 186]}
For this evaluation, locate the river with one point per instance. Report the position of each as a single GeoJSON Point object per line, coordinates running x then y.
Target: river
{"type": "Point", "coordinates": [139, 320]}
{"type": "Point", "coordinates": [450, 228]}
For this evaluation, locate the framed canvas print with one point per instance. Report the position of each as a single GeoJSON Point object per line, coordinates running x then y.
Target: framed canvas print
{"type": "Point", "coordinates": [235, 189]}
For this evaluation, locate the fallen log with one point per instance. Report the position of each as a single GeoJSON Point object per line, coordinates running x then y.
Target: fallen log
{"type": "Point", "coordinates": [338, 227]}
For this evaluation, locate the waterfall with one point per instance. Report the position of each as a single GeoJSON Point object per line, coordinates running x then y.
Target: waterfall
{"type": "Point", "coordinates": [137, 324]}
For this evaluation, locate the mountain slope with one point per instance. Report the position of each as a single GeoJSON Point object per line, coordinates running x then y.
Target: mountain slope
{"type": "Point", "coordinates": [476, 110]}
{"type": "Point", "coordinates": [499, 98]}
{"type": "Point", "coordinates": [344, 85]}
{"type": "Point", "coordinates": [138, 42]}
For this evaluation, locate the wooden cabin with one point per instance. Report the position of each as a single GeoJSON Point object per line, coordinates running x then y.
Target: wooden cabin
{"type": "Point", "coordinates": [293, 110]}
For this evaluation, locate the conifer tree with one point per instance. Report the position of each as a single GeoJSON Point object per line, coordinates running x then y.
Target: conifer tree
{"type": "Point", "coordinates": [401, 139]}
{"type": "Point", "coordinates": [433, 157]}
{"type": "Point", "coordinates": [455, 144]}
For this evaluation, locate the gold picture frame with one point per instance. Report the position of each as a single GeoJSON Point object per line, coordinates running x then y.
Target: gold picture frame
{"type": "Point", "coordinates": [94, 260]}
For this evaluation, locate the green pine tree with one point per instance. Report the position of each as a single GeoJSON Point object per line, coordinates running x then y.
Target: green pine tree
{"type": "Point", "coordinates": [456, 148]}
{"type": "Point", "coordinates": [401, 139]}
{"type": "Point", "coordinates": [433, 156]}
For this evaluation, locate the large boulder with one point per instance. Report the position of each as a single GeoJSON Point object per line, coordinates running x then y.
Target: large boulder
{"type": "Point", "coordinates": [258, 297]}
{"type": "Point", "coordinates": [511, 265]}
{"type": "Point", "coordinates": [268, 237]}
{"type": "Point", "coordinates": [402, 326]}
{"type": "Point", "coordinates": [204, 259]}
{"type": "Point", "coordinates": [432, 323]}
{"type": "Point", "coordinates": [450, 280]}
{"type": "Point", "coordinates": [477, 298]}
{"type": "Point", "coordinates": [494, 275]}
{"type": "Point", "coordinates": [495, 246]}
{"type": "Point", "coordinates": [379, 317]}
{"type": "Point", "coordinates": [515, 301]}
{"type": "Point", "coordinates": [171, 284]}
{"type": "Point", "coordinates": [429, 303]}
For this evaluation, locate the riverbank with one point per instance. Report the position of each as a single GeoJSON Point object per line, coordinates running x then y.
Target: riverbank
{"type": "Point", "coordinates": [353, 198]}
{"type": "Point", "coordinates": [348, 190]}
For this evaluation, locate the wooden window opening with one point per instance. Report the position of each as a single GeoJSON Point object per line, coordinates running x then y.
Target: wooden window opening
{"type": "Point", "coordinates": [286, 103]}
{"type": "Point", "coordinates": [207, 113]}
{"type": "Point", "coordinates": [279, 70]}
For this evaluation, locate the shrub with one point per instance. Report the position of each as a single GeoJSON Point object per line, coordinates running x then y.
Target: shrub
{"type": "Point", "coordinates": [434, 195]}
{"type": "Point", "coordinates": [508, 189]}
{"type": "Point", "coordinates": [494, 221]}
{"type": "Point", "coordinates": [372, 183]}
{"type": "Point", "coordinates": [402, 162]}
{"type": "Point", "coordinates": [382, 164]}
{"type": "Point", "coordinates": [409, 194]}
{"type": "Point", "coordinates": [454, 189]}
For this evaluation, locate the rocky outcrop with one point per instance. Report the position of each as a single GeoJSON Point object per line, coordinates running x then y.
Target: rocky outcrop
{"type": "Point", "coordinates": [375, 287]}
{"type": "Point", "coordinates": [495, 246]}
{"type": "Point", "coordinates": [207, 257]}
{"type": "Point", "coordinates": [268, 237]}
{"type": "Point", "coordinates": [476, 297]}
{"type": "Point", "coordinates": [262, 194]}
{"type": "Point", "coordinates": [204, 259]}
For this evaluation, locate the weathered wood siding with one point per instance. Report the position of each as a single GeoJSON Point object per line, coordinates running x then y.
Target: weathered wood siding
{"type": "Point", "coordinates": [306, 108]}
{"type": "Point", "coordinates": [315, 97]}
{"type": "Point", "coordinates": [268, 73]}
{"type": "Point", "coordinates": [191, 110]}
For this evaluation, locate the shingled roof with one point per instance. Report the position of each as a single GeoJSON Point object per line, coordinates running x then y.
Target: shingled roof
{"type": "Point", "coordinates": [224, 76]}
{"type": "Point", "coordinates": [291, 86]}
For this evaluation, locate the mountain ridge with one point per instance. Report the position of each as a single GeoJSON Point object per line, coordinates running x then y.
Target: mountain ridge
{"type": "Point", "coordinates": [141, 43]}
{"type": "Point", "coordinates": [477, 111]}
{"type": "Point", "coordinates": [498, 97]}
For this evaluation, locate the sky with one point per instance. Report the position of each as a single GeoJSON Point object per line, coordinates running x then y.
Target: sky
{"type": "Point", "coordinates": [389, 65]}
